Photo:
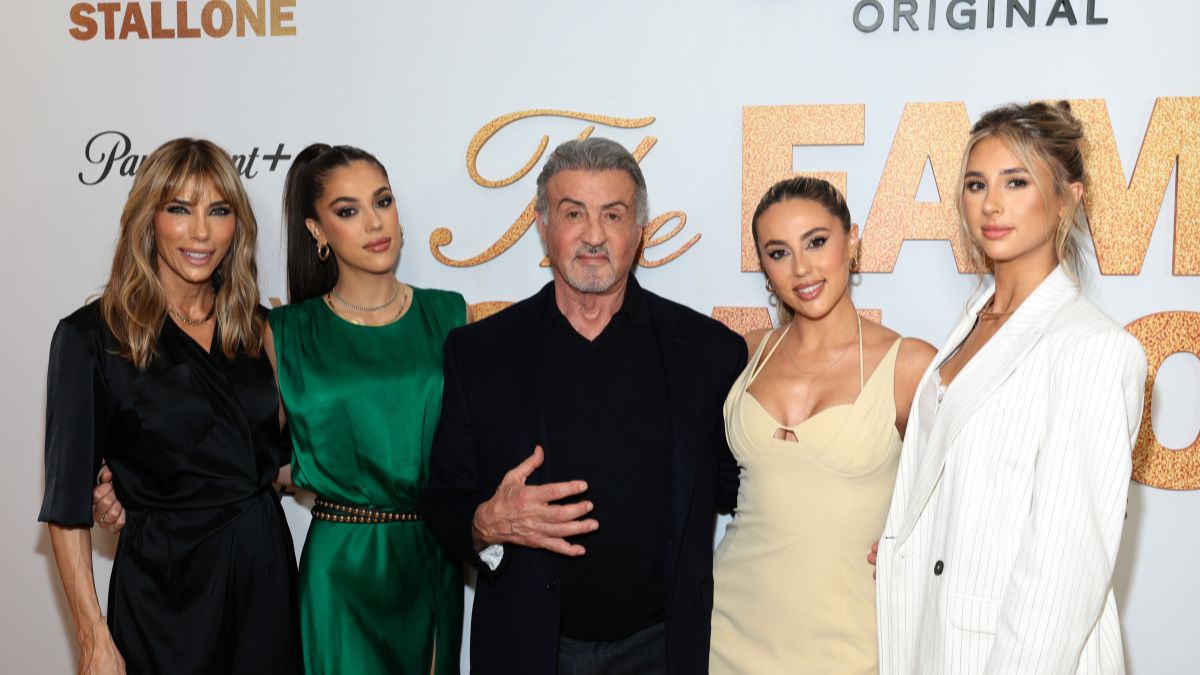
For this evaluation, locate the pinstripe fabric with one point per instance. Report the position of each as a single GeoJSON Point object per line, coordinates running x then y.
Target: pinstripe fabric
{"type": "Point", "coordinates": [1016, 494]}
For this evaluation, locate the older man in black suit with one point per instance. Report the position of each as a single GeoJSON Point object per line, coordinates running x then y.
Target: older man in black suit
{"type": "Point", "coordinates": [581, 452]}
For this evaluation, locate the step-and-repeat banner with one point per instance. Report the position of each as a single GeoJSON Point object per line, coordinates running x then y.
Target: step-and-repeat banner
{"type": "Point", "coordinates": [717, 99]}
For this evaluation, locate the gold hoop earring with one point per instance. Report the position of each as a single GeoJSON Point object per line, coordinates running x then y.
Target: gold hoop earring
{"type": "Point", "coordinates": [772, 297]}
{"type": "Point", "coordinates": [854, 261]}
{"type": "Point", "coordinates": [323, 252]}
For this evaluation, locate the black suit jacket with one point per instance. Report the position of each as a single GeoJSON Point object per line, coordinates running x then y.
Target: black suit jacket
{"type": "Point", "coordinates": [493, 416]}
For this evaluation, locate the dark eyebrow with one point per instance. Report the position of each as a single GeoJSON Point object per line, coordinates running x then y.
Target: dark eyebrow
{"type": "Point", "coordinates": [353, 200]}
{"type": "Point", "coordinates": [815, 230]}
{"type": "Point", "coordinates": [179, 200]}
{"type": "Point", "coordinates": [774, 242]}
{"type": "Point", "coordinates": [568, 200]}
{"type": "Point", "coordinates": [348, 200]}
{"type": "Point", "coordinates": [613, 204]}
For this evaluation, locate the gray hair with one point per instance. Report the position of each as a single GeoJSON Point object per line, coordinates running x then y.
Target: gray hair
{"type": "Point", "coordinates": [594, 154]}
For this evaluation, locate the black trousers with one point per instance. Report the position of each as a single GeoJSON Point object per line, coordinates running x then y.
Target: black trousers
{"type": "Point", "coordinates": [642, 653]}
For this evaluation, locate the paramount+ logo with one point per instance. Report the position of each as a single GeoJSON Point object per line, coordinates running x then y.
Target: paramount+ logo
{"type": "Point", "coordinates": [182, 20]}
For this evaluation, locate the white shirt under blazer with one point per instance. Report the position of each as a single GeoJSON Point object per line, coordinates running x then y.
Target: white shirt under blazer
{"type": "Point", "coordinates": [998, 550]}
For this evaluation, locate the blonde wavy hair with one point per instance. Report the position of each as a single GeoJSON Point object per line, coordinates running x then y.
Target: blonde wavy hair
{"type": "Point", "coordinates": [1039, 134]}
{"type": "Point", "coordinates": [133, 302]}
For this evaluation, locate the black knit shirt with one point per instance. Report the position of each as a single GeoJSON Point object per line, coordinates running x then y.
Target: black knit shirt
{"type": "Point", "coordinates": [608, 423]}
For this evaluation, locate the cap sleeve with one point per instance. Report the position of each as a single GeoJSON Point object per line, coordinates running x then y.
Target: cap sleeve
{"type": "Point", "coordinates": [76, 423]}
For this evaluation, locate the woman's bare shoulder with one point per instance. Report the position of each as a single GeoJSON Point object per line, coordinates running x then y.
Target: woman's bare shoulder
{"type": "Point", "coordinates": [755, 337]}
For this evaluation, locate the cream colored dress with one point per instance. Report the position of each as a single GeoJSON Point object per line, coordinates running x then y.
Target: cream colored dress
{"type": "Point", "coordinates": [793, 590]}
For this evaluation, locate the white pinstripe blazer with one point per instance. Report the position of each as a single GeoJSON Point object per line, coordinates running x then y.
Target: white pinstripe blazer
{"type": "Point", "coordinates": [998, 551]}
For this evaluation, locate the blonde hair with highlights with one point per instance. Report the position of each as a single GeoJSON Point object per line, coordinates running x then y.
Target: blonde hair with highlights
{"type": "Point", "coordinates": [134, 303]}
{"type": "Point", "coordinates": [1040, 135]}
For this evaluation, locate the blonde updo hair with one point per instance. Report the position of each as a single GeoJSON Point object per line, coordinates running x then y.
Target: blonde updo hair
{"type": "Point", "coordinates": [1039, 134]}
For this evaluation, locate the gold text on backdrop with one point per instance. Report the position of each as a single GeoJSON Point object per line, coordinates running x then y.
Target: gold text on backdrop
{"type": "Point", "coordinates": [1121, 213]}
{"type": "Point", "coordinates": [1162, 335]}
{"type": "Point", "coordinates": [157, 21]}
{"type": "Point", "coordinates": [442, 236]}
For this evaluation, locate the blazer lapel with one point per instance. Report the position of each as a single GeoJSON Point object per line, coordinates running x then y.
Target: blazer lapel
{"type": "Point", "coordinates": [531, 376]}
{"type": "Point", "coordinates": [681, 378]}
{"type": "Point", "coordinates": [980, 378]}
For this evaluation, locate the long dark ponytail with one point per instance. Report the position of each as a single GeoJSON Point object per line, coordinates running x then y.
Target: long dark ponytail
{"type": "Point", "coordinates": [308, 275]}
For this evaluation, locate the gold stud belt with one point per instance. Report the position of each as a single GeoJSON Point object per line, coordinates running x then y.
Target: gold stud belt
{"type": "Point", "coordinates": [343, 513]}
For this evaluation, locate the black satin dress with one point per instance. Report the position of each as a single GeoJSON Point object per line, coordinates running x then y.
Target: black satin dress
{"type": "Point", "coordinates": [204, 579]}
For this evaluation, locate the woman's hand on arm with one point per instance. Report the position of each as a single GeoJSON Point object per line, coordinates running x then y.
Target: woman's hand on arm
{"type": "Point", "coordinates": [283, 479]}
{"type": "Point", "coordinates": [106, 509]}
{"type": "Point", "coordinates": [98, 654]}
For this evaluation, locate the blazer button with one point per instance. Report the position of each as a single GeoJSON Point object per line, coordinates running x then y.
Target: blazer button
{"type": "Point", "coordinates": [552, 587]}
{"type": "Point", "coordinates": [938, 567]}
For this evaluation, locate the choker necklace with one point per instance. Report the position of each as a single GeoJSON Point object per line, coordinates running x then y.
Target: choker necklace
{"type": "Point", "coordinates": [181, 317]}
{"type": "Point", "coordinates": [359, 308]}
{"type": "Point", "coordinates": [404, 304]}
{"type": "Point", "coordinates": [987, 313]}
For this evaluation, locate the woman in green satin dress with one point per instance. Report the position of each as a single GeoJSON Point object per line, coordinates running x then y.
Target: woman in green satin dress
{"type": "Point", "coordinates": [358, 355]}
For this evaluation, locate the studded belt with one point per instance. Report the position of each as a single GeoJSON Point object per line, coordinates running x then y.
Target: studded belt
{"type": "Point", "coordinates": [324, 509]}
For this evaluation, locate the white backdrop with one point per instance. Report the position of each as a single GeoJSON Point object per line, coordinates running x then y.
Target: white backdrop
{"type": "Point", "coordinates": [415, 81]}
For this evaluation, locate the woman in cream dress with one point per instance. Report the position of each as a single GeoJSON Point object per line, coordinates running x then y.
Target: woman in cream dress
{"type": "Point", "coordinates": [815, 422]}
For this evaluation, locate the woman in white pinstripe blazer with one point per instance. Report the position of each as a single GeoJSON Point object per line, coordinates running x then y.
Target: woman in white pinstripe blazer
{"type": "Point", "coordinates": [998, 551]}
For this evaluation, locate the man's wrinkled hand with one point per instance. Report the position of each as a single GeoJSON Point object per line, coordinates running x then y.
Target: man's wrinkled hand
{"type": "Point", "coordinates": [526, 515]}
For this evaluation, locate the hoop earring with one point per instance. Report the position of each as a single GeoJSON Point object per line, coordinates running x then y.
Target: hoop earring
{"type": "Point", "coordinates": [772, 297]}
{"type": "Point", "coordinates": [323, 252]}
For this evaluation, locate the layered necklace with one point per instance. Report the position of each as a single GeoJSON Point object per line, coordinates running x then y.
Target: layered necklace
{"type": "Point", "coordinates": [333, 298]}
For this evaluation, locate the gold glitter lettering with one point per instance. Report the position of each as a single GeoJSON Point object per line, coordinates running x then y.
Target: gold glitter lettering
{"type": "Point", "coordinates": [936, 132]}
{"type": "Point", "coordinates": [742, 320]}
{"type": "Point", "coordinates": [1122, 215]}
{"type": "Point", "coordinates": [482, 310]}
{"type": "Point", "coordinates": [769, 134]}
{"type": "Point", "coordinates": [1162, 335]}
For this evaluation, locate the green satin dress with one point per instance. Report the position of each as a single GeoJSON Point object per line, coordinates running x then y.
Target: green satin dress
{"type": "Point", "coordinates": [363, 403]}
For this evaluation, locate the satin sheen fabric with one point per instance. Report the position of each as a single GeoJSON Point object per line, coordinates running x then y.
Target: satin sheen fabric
{"type": "Point", "coordinates": [363, 403]}
{"type": "Point", "coordinates": [204, 579]}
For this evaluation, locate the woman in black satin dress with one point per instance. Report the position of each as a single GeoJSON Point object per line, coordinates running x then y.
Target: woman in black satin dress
{"type": "Point", "coordinates": [166, 378]}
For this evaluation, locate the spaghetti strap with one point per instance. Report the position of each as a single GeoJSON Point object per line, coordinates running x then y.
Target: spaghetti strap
{"type": "Point", "coordinates": [862, 382]}
{"type": "Point", "coordinates": [763, 361]}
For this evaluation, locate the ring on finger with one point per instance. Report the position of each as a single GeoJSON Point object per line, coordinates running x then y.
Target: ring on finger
{"type": "Point", "coordinates": [104, 519]}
